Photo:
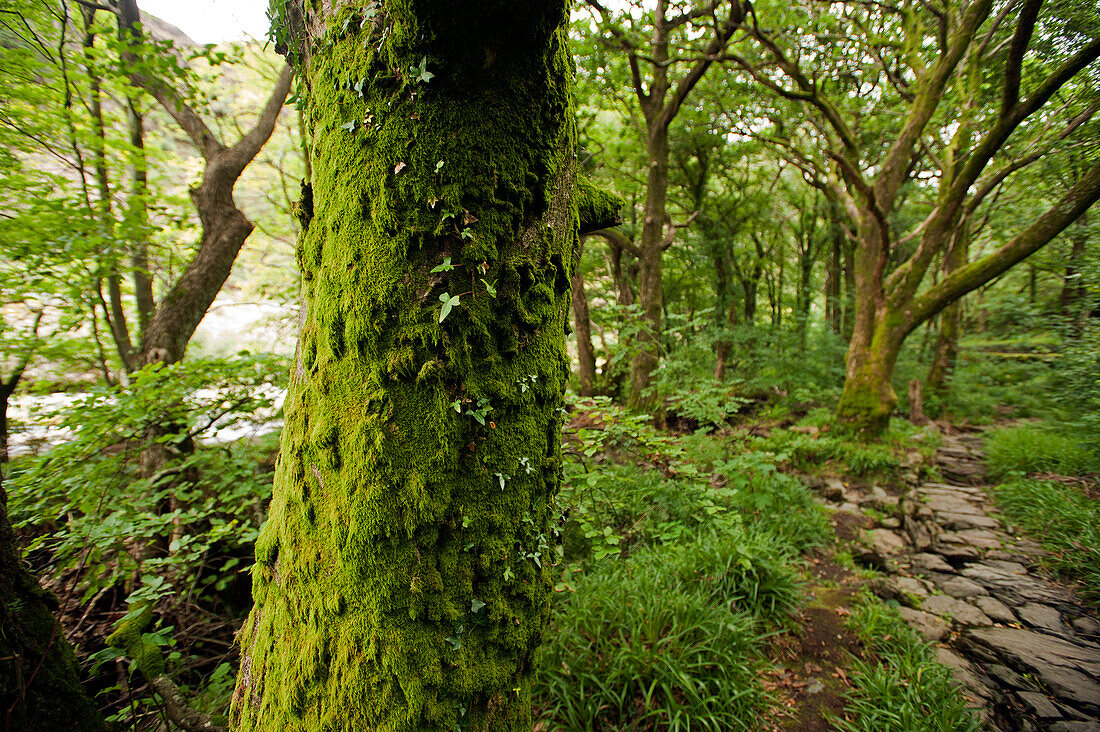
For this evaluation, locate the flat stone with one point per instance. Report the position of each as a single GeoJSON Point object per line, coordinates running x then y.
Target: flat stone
{"type": "Point", "coordinates": [959, 611]}
{"type": "Point", "coordinates": [963, 521]}
{"type": "Point", "coordinates": [1007, 676]}
{"type": "Point", "coordinates": [1086, 626]}
{"type": "Point", "coordinates": [1060, 664]}
{"type": "Point", "coordinates": [1042, 707]}
{"type": "Point", "coordinates": [941, 503]}
{"type": "Point", "coordinates": [905, 590]}
{"type": "Point", "coordinates": [945, 546]}
{"type": "Point", "coordinates": [890, 522]}
{"type": "Point", "coordinates": [960, 587]}
{"type": "Point", "coordinates": [848, 507]}
{"type": "Point", "coordinates": [1070, 686]}
{"type": "Point", "coordinates": [1043, 617]}
{"type": "Point", "coordinates": [979, 538]}
{"type": "Point", "coordinates": [884, 541]}
{"type": "Point", "coordinates": [1075, 727]}
{"type": "Point", "coordinates": [930, 563]}
{"type": "Point", "coordinates": [1012, 588]}
{"type": "Point", "coordinates": [833, 489]}
{"type": "Point", "coordinates": [1006, 566]}
{"type": "Point", "coordinates": [997, 611]}
{"type": "Point", "coordinates": [927, 624]}
{"type": "Point", "coordinates": [919, 535]}
{"type": "Point", "coordinates": [963, 672]}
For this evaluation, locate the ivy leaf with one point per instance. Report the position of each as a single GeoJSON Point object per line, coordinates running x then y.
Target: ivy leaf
{"type": "Point", "coordinates": [420, 74]}
{"type": "Point", "coordinates": [476, 605]}
{"type": "Point", "coordinates": [445, 267]}
{"type": "Point", "coordinates": [349, 125]}
{"type": "Point", "coordinates": [439, 166]}
{"type": "Point", "coordinates": [449, 301]}
{"type": "Point", "coordinates": [490, 288]}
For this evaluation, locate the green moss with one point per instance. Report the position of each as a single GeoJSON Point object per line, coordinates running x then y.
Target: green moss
{"type": "Point", "coordinates": [389, 526]}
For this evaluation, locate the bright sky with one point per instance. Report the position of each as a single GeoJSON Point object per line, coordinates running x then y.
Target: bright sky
{"type": "Point", "coordinates": [212, 21]}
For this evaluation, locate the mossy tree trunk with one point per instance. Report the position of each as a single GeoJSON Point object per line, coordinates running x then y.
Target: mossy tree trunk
{"type": "Point", "coordinates": [403, 576]}
{"type": "Point", "coordinates": [947, 340]}
{"type": "Point", "coordinates": [39, 681]}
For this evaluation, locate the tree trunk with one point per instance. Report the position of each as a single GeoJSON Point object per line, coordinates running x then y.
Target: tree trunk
{"type": "Point", "coordinates": [39, 683]}
{"type": "Point", "coordinates": [650, 271]}
{"type": "Point", "coordinates": [1071, 300]}
{"type": "Point", "coordinates": [403, 576]}
{"type": "Point", "coordinates": [834, 307]}
{"type": "Point", "coordinates": [947, 341]}
{"type": "Point", "coordinates": [582, 327]}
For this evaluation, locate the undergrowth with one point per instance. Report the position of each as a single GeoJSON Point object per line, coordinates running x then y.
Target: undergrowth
{"type": "Point", "coordinates": [901, 686]}
{"type": "Point", "coordinates": [1066, 522]}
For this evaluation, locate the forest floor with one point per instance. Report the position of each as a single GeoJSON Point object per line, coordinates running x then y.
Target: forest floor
{"type": "Point", "coordinates": [1023, 649]}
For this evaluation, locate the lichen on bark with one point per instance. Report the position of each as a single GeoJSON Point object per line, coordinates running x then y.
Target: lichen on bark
{"type": "Point", "coordinates": [403, 576]}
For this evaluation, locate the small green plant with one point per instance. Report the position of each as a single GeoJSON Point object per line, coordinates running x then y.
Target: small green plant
{"type": "Point", "coordinates": [900, 686]}
{"type": "Point", "coordinates": [1066, 522]}
{"type": "Point", "coordinates": [1026, 448]}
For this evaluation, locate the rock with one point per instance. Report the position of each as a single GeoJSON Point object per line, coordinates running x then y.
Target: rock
{"type": "Point", "coordinates": [910, 477]}
{"type": "Point", "coordinates": [848, 507]}
{"type": "Point", "coordinates": [1042, 707]}
{"type": "Point", "coordinates": [927, 624]}
{"type": "Point", "coordinates": [1075, 727]}
{"type": "Point", "coordinates": [963, 672]}
{"type": "Point", "coordinates": [1007, 676]}
{"type": "Point", "coordinates": [815, 686]}
{"type": "Point", "coordinates": [890, 522]}
{"type": "Point", "coordinates": [884, 541]}
{"type": "Point", "coordinates": [960, 587]}
{"type": "Point", "coordinates": [1086, 626]}
{"type": "Point", "coordinates": [997, 611]}
{"type": "Point", "coordinates": [979, 538]}
{"type": "Point", "coordinates": [1012, 588]}
{"type": "Point", "coordinates": [930, 563]}
{"type": "Point", "coordinates": [1007, 567]}
{"type": "Point", "coordinates": [941, 503]}
{"type": "Point", "coordinates": [911, 460]}
{"type": "Point", "coordinates": [963, 521]}
{"type": "Point", "coordinates": [1057, 662]}
{"type": "Point", "coordinates": [959, 611]}
{"type": "Point", "coordinates": [833, 489]}
{"type": "Point", "coordinates": [919, 535]}
{"type": "Point", "coordinates": [1043, 617]}
{"type": "Point", "coordinates": [946, 546]}
{"type": "Point", "coordinates": [904, 590]}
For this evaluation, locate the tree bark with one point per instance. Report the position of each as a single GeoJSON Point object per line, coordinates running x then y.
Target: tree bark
{"type": "Point", "coordinates": [582, 328]}
{"type": "Point", "coordinates": [947, 340]}
{"type": "Point", "coordinates": [403, 576]}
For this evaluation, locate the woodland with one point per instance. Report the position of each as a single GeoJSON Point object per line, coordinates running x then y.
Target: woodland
{"type": "Point", "coordinates": [551, 365]}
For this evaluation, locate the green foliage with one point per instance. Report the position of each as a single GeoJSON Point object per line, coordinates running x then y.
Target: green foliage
{"type": "Point", "coordinates": [840, 453]}
{"type": "Point", "coordinates": [186, 529]}
{"type": "Point", "coordinates": [1064, 519]}
{"type": "Point", "coordinates": [901, 687]}
{"type": "Point", "coordinates": [669, 639]}
{"type": "Point", "coordinates": [1030, 448]}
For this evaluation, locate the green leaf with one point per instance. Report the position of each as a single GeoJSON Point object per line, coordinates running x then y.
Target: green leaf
{"type": "Point", "coordinates": [476, 605]}
{"type": "Point", "coordinates": [490, 288]}
{"type": "Point", "coordinates": [449, 301]}
{"type": "Point", "coordinates": [349, 125]}
{"type": "Point", "coordinates": [445, 267]}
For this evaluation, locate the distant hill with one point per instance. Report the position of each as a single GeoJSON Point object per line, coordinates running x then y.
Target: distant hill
{"type": "Point", "coordinates": [162, 30]}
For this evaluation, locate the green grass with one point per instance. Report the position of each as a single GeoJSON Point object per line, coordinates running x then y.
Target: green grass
{"type": "Point", "coordinates": [1066, 522]}
{"type": "Point", "coordinates": [671, 638]}
{"type": "Point", "coordinates": [901, 687]}
{"type": "Point", "coordinates": [1024, 449]}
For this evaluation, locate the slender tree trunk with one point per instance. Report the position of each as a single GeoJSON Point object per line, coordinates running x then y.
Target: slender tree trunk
{"type": "Point", "coordinates": [1071, 301]}
{"type": "Point", "coordinates": [582, 327]}
{"type": "Point", "coordinates": [403, 576]}
{"type": "Point", "coordinates": [834, 307]}
{"type": "Point", "coordinates": [947, 341]}
{"type": "Point", "coordinates": [650, 271]}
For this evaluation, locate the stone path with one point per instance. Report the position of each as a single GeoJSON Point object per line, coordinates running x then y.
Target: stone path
{"type": "Point", "coordinates": [1020, 644]}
